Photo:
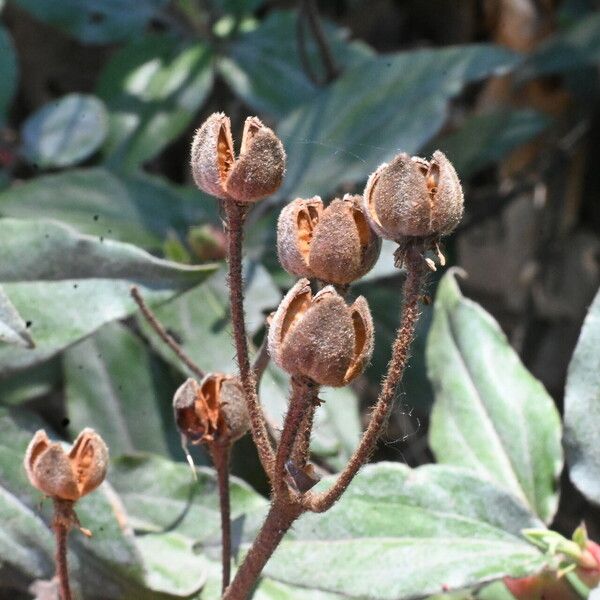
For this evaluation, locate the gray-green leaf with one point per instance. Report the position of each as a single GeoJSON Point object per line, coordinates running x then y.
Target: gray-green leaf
{"type": "Point", "coordinates": [582, 407]}
{"type": "Point", "coordinates": [47, 267]}
{"type": "Point", "coordinates": [401, 99]}
{"type": "Point", "coordinates": [402, 533]}
{"type": "Point", "coordinates": [139, 209]}
{"type": "Point", "coordinates": [153, 88]}
{"type": "Point", "coordinates": [13, 328]}
{"type": "Point", "coordinates": [490, 413]}
{"type": "Point", "coordinates": [65, 132]}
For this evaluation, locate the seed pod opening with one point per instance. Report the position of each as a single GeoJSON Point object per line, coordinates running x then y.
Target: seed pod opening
{"type": "Point", "coordinates": [321, 337]}
{"type": "Point", "coordinates": [335, 244]}
{"type": "Point", "coordinates": [414, 198]}
{"type": "Point", "coordinates": [213, 411]}
{"type": "Point", "coordinates": [256, 173]}
{"type": "Point", "coordinates": [62, 476]}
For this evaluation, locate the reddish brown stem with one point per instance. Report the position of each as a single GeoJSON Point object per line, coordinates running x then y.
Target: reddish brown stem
{"type": "Point", "coordinates": [301, 449]}
{"type": "Point", "coordinates": [278, 521]}
{"type": "Point", "coordinates": [220, 457]}
{"type": "Point", "coordinates": [61, 531]}
{"type": "Point", "coordinates": [235, 221]}
{"type": "Point", "coordinates": [302, 391]}
{"type": "Point", "coordinates": [410, 313]}
{"type": "Point", "coordinates": [164, 335]}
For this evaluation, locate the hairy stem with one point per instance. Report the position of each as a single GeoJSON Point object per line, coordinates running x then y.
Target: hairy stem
{"type": "Point", "coordinates": [164, 335]}
{"type": "Point", "coordinates": [61, 526]}
{"type": "Point", "coordinates": [235, 221]}
{"type": "Point", "coordinates": [278, 521]}
{"type": "Point", "coordinates": [300, 401]}
{"type": "Point", "coordinates": [220, 457]}
{"type": "Point", "coordinates": [301, 449]}
{"type": "Point", "coordinates": [410, 313]}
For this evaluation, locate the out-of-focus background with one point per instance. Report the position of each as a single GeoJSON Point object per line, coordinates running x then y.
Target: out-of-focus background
{"type": "Point", "coordinates": [99, 100]}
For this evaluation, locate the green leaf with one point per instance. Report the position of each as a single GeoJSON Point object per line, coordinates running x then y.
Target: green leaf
{"type": "Point", "coordinates": [402, 533]}
{"type": "Point", "coordinates": [108, 565]}
{"type": "Point", "coordinates": [575, 48]}
{"type": "Point", "coordinates": [582, 408]}
{"type": "Point", "coordinates": [485, 139]}
{"type": "Point", "coordinates": [13, 329]}
{"type": "Point", "coordinates": [263, 66]}
{"type": "Point", "coordinates": [95, 21]}
{"type": "Point", "coordinates": [48, 267]}
{"type": "Point", "coordinates": [403, 97]}
{"type": "Point", "coordinates": [65, 132]}
{"type": "Point", "coordinates": [490, 413]}
{"type": "Point", "coordinates": [138, 209]}
{"type": "Point", "coordinates": [8, 73]}
{"type": "Point", "coordinates": [153, 88]}
{"type": "Point", "coordinates": [114, 385]}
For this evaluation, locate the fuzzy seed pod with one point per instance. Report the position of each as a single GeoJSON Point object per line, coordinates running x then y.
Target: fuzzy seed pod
{"type": "Point", "coordinates": [66, 476]}
{"type": "Point", "coordinates": [414, 198]}
{"type": "Point", "coordinates": [321, 337]}
{"type": "Point", "coordinates": [213, 411]}
{"type": "Point", "coordinates": [256, 173]}
{"type": "Point", "coordinates": [333, 244]}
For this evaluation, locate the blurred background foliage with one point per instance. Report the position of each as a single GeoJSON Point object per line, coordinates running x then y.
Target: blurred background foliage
{"type": "Point", "coordinates": [98, 103]}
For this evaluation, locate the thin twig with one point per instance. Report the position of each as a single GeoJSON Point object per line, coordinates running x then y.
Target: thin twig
{"type": "Point", "coordinates": [220, 457]}
{"type": "Point", "coordinates": [410, 313]}
{"type": "Point", "coordinates": [235, 223]}
{"type": "Point", "coordinates": [261, 360]}
{"type": "Point", "coordinates": [310, 12]}
{"type": "Point", "coordinates": [61, 531]}
{"type": "Point", "coordinates": [164, 335]}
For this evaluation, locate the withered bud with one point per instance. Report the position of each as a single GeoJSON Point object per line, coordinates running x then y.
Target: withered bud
{"type": "Point", "coordinates": [414, 198]}
{"type": "Point", "coordinates": [212, 411]}
{"type": "Point", "coordinates": [321, 337]}
{"type": "Point", "coordinates": [66, 476]}
{"type": "Point", "coordinates": [333, 244]}
{"type": "Point", "coordinates": [257, 171]}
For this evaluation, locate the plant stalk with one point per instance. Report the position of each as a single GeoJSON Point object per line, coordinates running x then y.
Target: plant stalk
{"type": "Point", "coordinates": [61, 526]}
{"type": "Point", "coordinates": [278, 521]}
{"type": "Point", "coordinates": [220, 454]}
{"type": "Point", "coordinates": [235, 221]}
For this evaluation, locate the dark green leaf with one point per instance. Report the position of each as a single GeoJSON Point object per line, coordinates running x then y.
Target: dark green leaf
{"type": "Point", "coordinates": [114, 385]}
{"type": "Point", "coordinates": [13, 329]}
{"type": "Point", "coordinates": [138, 209]}
{"type": "Point", "coordinates": [490, 413]}
{"type": "Point", "coordinates": [485, 139]}
{"type": "Point", "coordinates": [582, 407]}
{"type": "Point", "coordinates": [375, 109]}
{"type": "Point", "coordinates": [65, 132]}
{"type": "Point", "coordinates": [153, 88]}
{"type": "Point", "coordinates": [8, 73]}
{"type": "Point", "coordinates": [47, 267]}
{"type": "Point", "coordinates": [108, 565]}
{"type": "Point", "coordinates": [402, 533]}
{"type": "Point", "coordinates": [95, 21]}
{"type": "Point", "coordinates": [576, 48]}
{"type": "Point", "coordinates": [263, 66]}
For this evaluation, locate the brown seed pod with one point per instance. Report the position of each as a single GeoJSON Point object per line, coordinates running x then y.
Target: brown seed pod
{"type": "Point", "coordinates": [321, 337]}
{"type": "Point", "coordinates": [414, 198]}
{"type": "Point", "coordinates": [256, 173]}
{"type": "Point", "coordinates": [213, 411]}
{"type": "Point", "coordinates": [66, 476]}
{"type": "Point", "coordinates": [333, 244]}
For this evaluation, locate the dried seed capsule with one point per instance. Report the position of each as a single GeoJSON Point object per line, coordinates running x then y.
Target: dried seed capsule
{"type": "Point", "coordinates": [256, 173]}
{"type": "Point", "coordinates": [213, 411]}
{"type": "Point", "coordinates": [414, 198]}
{"type": "Point", "coordinates": [321, 337]}
{"type": "Point", "coordinates": [66, 476]}
{"type": "Point", "coordinates": [335, 244]}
